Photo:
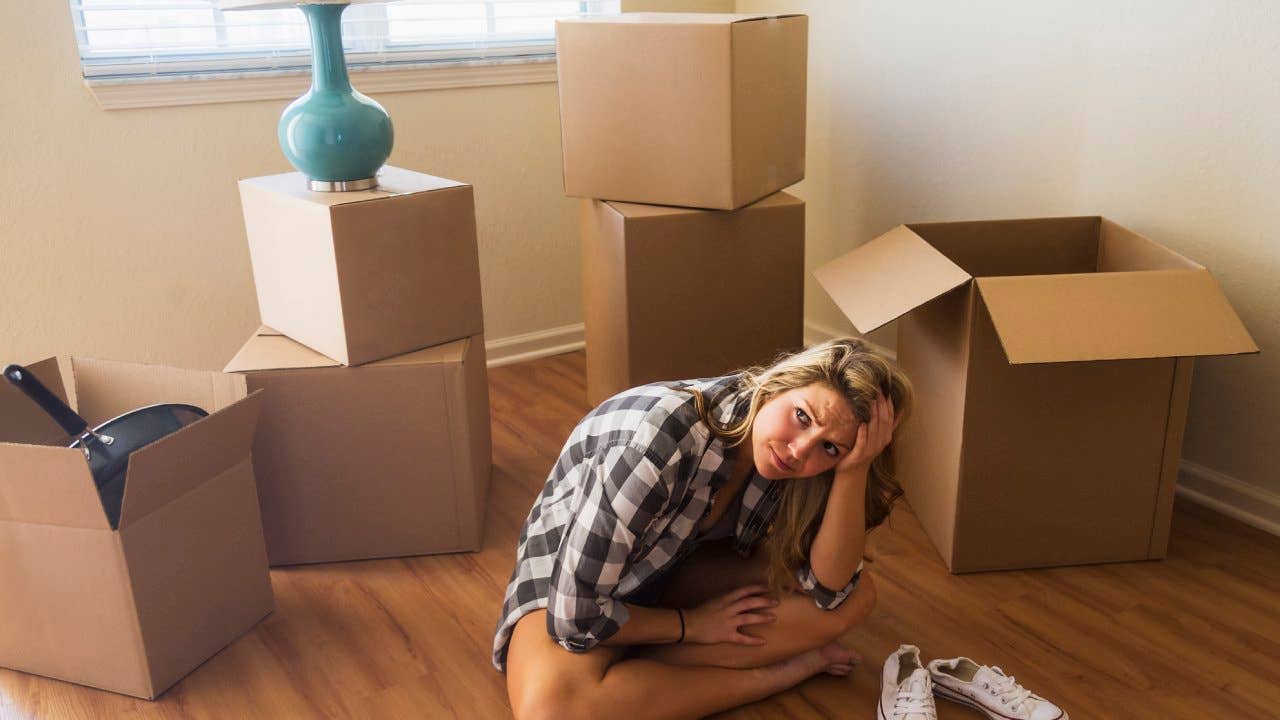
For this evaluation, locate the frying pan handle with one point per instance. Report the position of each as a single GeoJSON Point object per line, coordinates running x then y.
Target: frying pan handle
{"type": "Point", "coordinates": [22, 379]}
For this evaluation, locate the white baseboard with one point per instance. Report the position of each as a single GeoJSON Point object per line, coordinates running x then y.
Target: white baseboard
{"type": "Point", "coordinates": [1230, 496]}
{"type": "Point", "coordinates": [534, 345]}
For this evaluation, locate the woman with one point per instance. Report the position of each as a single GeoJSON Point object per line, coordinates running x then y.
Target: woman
{"type": "Point", "coordinates": [796, 452]}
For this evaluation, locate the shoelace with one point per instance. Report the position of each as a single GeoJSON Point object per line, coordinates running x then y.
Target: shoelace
{"type": "Point", "coordinates": [915, 698]}
{"type": "Point", "coordinates": [1008, 690]}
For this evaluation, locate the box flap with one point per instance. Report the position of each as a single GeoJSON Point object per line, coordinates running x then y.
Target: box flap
{"type": "Point", "coordinates": [392, 181]}
{"type": "Point", "coordinates": [752, 17]}
{"type": "Point", "coordinates": [450, 352]}
{"type": "Point", "coordinates": [1123, 250]}
{"type": "Point", "coordinates": [671, 18]}
{"type": "Point", "coordinates": [638, 210]}
{"type": "Point", "coordinates": [887, 277]}
{"type": "Point", "coordinates": [197, 572]}
{"type": "Point", "coordinates": [109, 388]}
{"type": "Point", "coordinates": [21, 420]}
{"type": "Point", "coordinates": [269, 350]}
{"type": "Point", "coordinates": [48, 486]}
{"type": "Point", "coordinates": [1025, 246]}
{"type": "Point", "coordinates": [1113, 316]}
{"type": "Point", "coordinates": [175, 464]}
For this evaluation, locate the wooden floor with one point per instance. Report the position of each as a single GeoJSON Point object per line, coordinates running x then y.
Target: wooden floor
{"type": "Point", "coordinates": [1196, 636]}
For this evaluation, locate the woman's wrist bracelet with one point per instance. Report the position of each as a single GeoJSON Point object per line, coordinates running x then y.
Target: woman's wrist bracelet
{"type": "Point", "coordinates": [681, 614]}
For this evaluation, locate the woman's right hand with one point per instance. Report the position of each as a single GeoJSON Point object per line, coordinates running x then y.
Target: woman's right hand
{"type": "Point", "coordinates": [720, 619]}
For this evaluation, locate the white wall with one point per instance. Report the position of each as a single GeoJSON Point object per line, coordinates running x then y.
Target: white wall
{"type": "Point", "coordinates": [120, 230]}
{"type": "Point", "coordinates": [121, 236]}
{"type": "Point", "coordinates": [1164, 116]}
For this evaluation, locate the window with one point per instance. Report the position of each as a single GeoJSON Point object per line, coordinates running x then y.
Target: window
{"type": "Point", "coordinates": [122, 40]}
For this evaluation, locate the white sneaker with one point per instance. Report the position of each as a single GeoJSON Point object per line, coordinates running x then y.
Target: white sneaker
{"type": "Point", "coordinates": [988, 690]}
{"type": "Point", "coordinates": [906, 691]}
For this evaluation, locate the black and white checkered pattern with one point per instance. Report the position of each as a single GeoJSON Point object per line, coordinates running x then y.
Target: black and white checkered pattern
{"type": "Point", "coordinates": [622, 505]}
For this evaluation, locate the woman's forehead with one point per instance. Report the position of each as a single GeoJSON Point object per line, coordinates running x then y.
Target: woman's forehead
{"type": "Point", "coordinates": [828, 406]}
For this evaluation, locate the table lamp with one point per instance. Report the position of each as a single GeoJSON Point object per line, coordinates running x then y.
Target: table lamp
{"type": "Point", "coordinates": [334, 135]}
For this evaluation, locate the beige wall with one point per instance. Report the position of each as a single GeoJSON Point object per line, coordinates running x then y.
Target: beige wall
{"type": "Point", "coordinates": [121, 235]}
{"type": "Point", "coordinates": [1160, 116]}
{"type": "Point", "coordinates": [122, 230]}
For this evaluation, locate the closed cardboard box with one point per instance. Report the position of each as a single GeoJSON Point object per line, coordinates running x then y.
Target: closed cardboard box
{"type": "Point", "coordinates": [387, 459]}
{"type": "Point", "coordinates": [360, 276]}
{"type": "Point", "coordinates": [694, 109]}
{"type": "Point", "coordinates": [134, 609]}
{"type": "Point", "coordinates": [674, 293]}
{"type": "Point", "coordinates": [1052, 361]}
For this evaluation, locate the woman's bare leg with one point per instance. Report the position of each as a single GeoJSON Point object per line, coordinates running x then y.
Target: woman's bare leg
{"type": "Point", "coordinates": [800, 626]}
{"type": "Point", "coordinates": [546, 681]}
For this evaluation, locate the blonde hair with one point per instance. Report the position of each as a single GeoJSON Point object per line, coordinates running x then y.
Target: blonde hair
{"type": "Point", "coordinates": [852, 368]}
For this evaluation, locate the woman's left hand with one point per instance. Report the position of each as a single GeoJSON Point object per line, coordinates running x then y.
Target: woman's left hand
{"type": "Point", "coordinates": [872, 438]}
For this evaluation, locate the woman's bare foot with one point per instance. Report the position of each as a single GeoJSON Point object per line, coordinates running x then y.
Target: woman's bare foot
{"type": "Point", "coordinates": [840, 660]}
{"type": "Point", "coordinates": [831, 659]}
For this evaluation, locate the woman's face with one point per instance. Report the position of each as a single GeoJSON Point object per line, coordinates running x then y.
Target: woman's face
{"type": "Point", "coordinates": [802, 432]}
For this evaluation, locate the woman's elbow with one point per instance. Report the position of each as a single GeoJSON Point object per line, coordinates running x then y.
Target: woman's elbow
{"type": "Point", "coordinates": [855, 608]}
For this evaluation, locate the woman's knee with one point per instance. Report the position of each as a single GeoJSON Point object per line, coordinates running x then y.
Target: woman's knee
{"type": "Point", "coordinates": [546, 681]}
{"type": "Point", "coordinates": [552, 702]}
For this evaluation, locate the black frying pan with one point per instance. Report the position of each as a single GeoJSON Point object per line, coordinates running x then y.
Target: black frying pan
{"type": "Point", "coordinates": [107, 446]}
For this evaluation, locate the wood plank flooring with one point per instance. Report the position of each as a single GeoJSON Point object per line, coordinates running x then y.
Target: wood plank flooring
{"type": "Point", "coordinates": [1195, 636]}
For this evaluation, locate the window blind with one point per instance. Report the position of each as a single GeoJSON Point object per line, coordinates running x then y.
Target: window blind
{"type": "Point", "coordinates": [139, 38]}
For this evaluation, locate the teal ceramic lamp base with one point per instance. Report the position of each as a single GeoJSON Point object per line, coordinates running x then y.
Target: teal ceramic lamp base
{"type": "Point", "coordinates": [336, 136]}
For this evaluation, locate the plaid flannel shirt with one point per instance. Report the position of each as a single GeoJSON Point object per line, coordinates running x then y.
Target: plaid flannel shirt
{"type": "Point", "coordinates": [622, 506]}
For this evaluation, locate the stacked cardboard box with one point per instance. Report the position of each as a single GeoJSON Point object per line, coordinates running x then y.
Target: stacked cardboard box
{"type": "Point", "coordinates": [679, 130]}
{"type": "Point", "coordinates": [374, 437]}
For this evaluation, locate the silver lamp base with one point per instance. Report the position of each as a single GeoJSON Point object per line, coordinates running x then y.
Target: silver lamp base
{"type": "Point", "coordinates": [342, 185]}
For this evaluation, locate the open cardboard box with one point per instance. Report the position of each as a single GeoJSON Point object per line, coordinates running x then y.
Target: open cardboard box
{"type": "Point", "coordinates": [652, 273]}
{"type": "Point", "coordinates": [133, 609]}
{"type": "Point", "coordinates": [387, 459]}
{"type": "Point", "coordinates": [1052, 364]}
{"type": "Point", "coordinates": [360, 276]}
{"type": "Point", "coordinates": [693, 109]}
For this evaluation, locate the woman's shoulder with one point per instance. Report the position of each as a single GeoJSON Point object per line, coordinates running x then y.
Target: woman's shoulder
{"type": "Point", "coordinates": [666, 398]}
{"type": "Point", "coordinates": [661, 416]}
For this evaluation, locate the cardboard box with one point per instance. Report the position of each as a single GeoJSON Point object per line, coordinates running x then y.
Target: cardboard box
{"type": "Point", "coordinates": [693, 109]}
{"type": "Point", "coordinates": [1052, 363]}
{"type": "Point", "coordinates": [383, 460]}
{"type": "Point", "coordinates": [674, 293]}
{"type": "Point", "coordinates": [360, 276]}
{"type": "Point", "coordinates": [131, 610]}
